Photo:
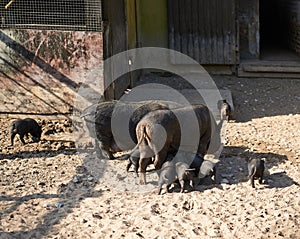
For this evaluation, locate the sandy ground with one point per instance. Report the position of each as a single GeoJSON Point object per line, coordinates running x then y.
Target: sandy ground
{"type": "Point", "coordinates": [53, 189]}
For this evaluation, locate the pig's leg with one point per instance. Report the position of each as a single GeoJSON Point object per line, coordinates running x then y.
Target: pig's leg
{"type": "Point", "coordinates": [12, 136]}
{"type": "Point", "coordinates": [252, 181]}
{"type": "Point", "coordinates": [182, 184]}
{"type": "Point", "coordinates": [160, 183]}
{"type": "Point", "coordinates": [195, 182]}
{"type": "Point", "coordinates": [144, 162]}
{"type": "Point", "coordinates": [22, 138]}
{"type": "Point", "coordinates": [168, 188]}
{"type": "Point", "coordinates": [128, 165]}
{"type": "Point", "coordinates": [261, 179]}
{"type": "Point", "coordinates": [135, 161]}
{"type": "Point", "coordinates": [214, 174]}
{"type": "Point", "coordinates": [136, 168]}
{"type": "Point", "coordinates": [159, 159]}
{"type": "Point", "coordinates": [251, 176]}
{"type": "Point", "coordinates": [146, 154]}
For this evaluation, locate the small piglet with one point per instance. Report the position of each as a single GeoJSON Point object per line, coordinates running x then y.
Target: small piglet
{"type": "Point", "coordinates": [184, 168]}
{"type": "Point", "coordinates": [25, 127]}
{"type": "Point", "coordinates": [167, 175]}
{"type": "Point", "coordinates": [256, 169]}
{"type": "Point", "coordinates": [186, 173]}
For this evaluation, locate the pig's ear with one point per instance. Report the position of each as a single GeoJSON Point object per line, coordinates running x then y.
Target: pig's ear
{"type": "Point", "coordinates": [212, 158]}
{"type": "Point", "coordinates": [208, 156]}
{"type": "Point", "coordinates": [215, 160]}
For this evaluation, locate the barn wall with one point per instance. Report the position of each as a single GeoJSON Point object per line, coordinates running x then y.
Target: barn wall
{"type": "Point", "coordinates": [204, 30]}
{"type": "Point", "coordinates": [248, 18]}
{"type": "Point", "coordinates": [115, 41]}
{"type": "Point", "coordinates": [152, 23]}
{"type": "Point", "coordinates": [291, 9]}
{"type": "Point", "coordinates": [42, 71]}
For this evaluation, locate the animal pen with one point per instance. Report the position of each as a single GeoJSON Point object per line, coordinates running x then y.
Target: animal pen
{"type": "Point", "coordinates": [47, 50]}
{"type": "Point", "coordinates": [242, 37]}
{"type": "Point", "coordinates": [68, 40]}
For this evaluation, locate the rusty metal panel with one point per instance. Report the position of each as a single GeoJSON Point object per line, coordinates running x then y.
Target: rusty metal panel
{"type": "Point", "coordinates": [204, 30]}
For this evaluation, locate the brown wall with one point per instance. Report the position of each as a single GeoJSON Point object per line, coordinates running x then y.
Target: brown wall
{"type": "Point", "coordinates": [41, 72]}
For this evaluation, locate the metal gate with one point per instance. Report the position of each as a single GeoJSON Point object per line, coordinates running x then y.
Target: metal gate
{"type": "Point", "coordinates": [204, 30]}
{"type": "Point", "coordinates": [74, 15]}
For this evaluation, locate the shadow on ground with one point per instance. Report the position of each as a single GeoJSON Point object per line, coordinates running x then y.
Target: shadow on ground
{"type": "Point", "coordinates": [233, 168]}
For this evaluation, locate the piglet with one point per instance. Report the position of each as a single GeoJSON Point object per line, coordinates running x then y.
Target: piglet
{"type": "Point", "coordinates": [185, 174]}
{"type": "Point", "coordinates": [184, 168]}
{"type": "Point", "coordinates": [25, 127]}
{"type": "Point", "coordinates": [256, 169]}
{"type": "Point", "coordinates": [167, 175]}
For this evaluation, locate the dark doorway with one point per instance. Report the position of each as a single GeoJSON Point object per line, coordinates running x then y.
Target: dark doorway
{"type": "Point", "coordinates": [274, 31]}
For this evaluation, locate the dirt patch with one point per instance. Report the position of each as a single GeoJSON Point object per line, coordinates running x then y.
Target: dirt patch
{"type": "Point", "coordinates": [51, 190]}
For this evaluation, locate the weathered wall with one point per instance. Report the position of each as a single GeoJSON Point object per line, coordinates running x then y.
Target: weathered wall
{"type": "Point", "coordinates": [42, 71]}
{"type": "Point", "coordinates": [152, 20]}
{"type": "Point", "coordinates": [292, 10]}
{"type": "Point", "coordinates": [115, 41]}
{"type": "Point", "coordinates": [248, 18]}
{"type": "Point", "coordinates": [204, 30]}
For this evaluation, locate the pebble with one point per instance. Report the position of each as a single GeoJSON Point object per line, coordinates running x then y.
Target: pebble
{"type": "Point", "coordinates": [20, 184]}
{"type": "Point", "coordinates": [213, 232]}
{"type": "Point", "coordinates": [90, 178]}
{"type": "Point", "coordinates": [76, 179]}
{"type": "Point", "coordinates": [41, 183]}
{"type": "Point", "coordinates": [47, 206]}
{"type": "Point", "coordinates": [59, 205]}
{"type": "Point", "coordinates": [277, 214]}
{"type": "Point", "coordinates": [83, 220]}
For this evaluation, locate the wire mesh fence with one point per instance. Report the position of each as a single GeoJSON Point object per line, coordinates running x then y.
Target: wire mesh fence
{"type": "Point", "coordinates": [80, 15]}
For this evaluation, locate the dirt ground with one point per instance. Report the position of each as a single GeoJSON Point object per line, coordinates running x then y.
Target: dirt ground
{"type": "Point", "coordinates": [57, 188]}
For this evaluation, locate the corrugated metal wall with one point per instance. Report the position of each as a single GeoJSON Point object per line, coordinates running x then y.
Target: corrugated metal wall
{"type": "Point", "coordinates": [292, 7]}
{"type": "Point", "coordinates": [204, 30]}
